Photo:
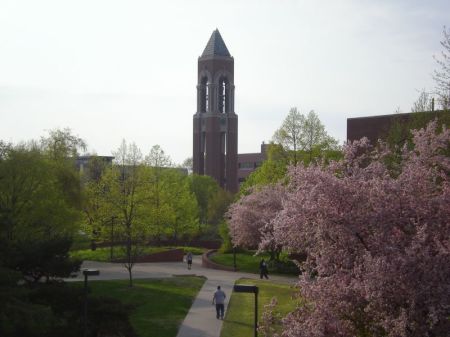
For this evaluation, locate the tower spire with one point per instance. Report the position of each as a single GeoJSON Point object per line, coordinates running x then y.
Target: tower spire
{"type": "Point", "coordinates": [216, 46]}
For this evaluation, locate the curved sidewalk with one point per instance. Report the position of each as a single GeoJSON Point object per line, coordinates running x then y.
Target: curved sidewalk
{"type": "Point", "coordinates": [201, 319]}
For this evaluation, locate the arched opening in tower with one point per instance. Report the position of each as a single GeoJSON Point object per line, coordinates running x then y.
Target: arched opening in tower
{"type": "Point", "coordinates": [204, 94]}
{"type": "Point", "coordinates": [224, 95]}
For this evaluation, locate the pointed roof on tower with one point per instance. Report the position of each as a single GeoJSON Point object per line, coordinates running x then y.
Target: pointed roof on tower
{"type": "Point", "coordinates": [216, 46]}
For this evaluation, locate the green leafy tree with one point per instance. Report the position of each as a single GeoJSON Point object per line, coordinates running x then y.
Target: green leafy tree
{"type": "Point", "coordinates": [125, 189]}
{"type": "Point", "coordinates": [290, 134]}
{"type": "Point", "coordinates": [158, 206]}
{"type": "Point", "coordinates": [271, 170]}
{"type": "Point", "coordinates": [61, 147]}
{"type": "Point", "coordinates": [300, 135]}
{"type": "Point", "coordinates": [183, 206]}
{"type": "Point", "coordinates": [218, 206]}
{"type": "Point", "coordinates": [62, 144]}
{"type": "Point", "coordinates": [274, 169]}
{"type": "Point", "coordinates": [158, 159]}
{"type": "Point", "coordinates": [38, 218]}
{"type": "Point", "coordinates": [35, 209]}
{"type": "Point", "coordinates": [315, 139]}
{"type": "Point", "coordinates": [45, 259]}
{"type": "Point", "coordinates": [204, 189]}
{"type": "Point", "coordinates": [32, 201]}
{"type": "Point", "coordinates": [100, 215]}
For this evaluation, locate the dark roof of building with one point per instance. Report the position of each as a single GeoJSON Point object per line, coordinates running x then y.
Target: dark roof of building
{"type": "Point", "coordinates": [89, 156]}
{"type": "Point", "coordinates": [216, 46]}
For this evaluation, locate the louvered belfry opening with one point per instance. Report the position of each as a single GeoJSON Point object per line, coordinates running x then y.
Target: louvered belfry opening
{"type": "Point", "coordinates": [215, 122]}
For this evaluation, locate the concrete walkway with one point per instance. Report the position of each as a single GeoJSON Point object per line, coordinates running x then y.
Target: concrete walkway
{"type": "Point", "coordinates": [201, 319]}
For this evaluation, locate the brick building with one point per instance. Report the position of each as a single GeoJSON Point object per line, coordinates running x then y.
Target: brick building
{"type": "Point", "coordinates": [248, 162]}
{"type": "Point", "coordinates": [377, 127]}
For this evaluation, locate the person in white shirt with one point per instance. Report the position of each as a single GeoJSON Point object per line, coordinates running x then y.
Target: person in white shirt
{"type": "Point", "coordinates": [219, 300]}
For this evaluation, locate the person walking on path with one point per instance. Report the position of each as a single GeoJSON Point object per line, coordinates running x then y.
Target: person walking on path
{"type": "Point", "coordinates": [219, 300]}
{"type": "Point", "coordinates": [263, 272]}
{"type": "Point", "coordinates": [189, 260]}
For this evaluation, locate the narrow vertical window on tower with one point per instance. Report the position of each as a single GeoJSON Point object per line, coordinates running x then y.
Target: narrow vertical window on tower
{"type": "Point", "coordinates": [223, 140]}
{"type": "Point", "coordinates": [223, 95]}
{"type": "Point", "coordinates": [204, 95]}
{"type": "Point", "coordinates": [203, 148]}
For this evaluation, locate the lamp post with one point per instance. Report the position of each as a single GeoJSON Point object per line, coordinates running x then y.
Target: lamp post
{"type": "Point", "coordinates": [112, 238]}
{"type": "Point", "coordinates": [86, 273]}
{"type": "Point", "coordinates": [234, 258]}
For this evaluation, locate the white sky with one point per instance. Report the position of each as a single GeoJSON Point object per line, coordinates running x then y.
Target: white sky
{"type": "Point", "coordinates": [127, 69]}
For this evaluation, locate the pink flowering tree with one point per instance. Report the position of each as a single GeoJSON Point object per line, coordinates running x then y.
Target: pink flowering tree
{"type": "Point", "coordinates": [251, 219]}
{"type": "Point", "coordinates": [377, 240]}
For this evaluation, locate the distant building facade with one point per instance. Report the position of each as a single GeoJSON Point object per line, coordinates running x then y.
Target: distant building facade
{"type": "Point", "coordinates": [83, 162]}
{"type": "Point", "coordinates": [249, 162]}
{"type": "Point", "coordinates": [215, 124]}
{"type": "Point", "coordinates": [378, 127]}
{"type": "Point", "coordinates": [87, 162]}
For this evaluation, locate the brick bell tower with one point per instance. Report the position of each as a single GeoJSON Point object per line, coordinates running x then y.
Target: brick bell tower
{"type": "Point", "coordinates": [215, 123]}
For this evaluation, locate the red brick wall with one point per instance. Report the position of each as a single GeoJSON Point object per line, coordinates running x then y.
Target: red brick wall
{"type": "Point", "coordinates": [207, 263]}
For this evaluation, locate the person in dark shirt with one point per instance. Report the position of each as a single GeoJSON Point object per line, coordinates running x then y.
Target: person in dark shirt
{"type": "Point", "coordinates": [263, 271]}
{"type": "Point", "coordinates": [189, 260]}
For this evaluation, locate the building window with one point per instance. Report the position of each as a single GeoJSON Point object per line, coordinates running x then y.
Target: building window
{"type": "Point", "coordinates": [246, 165]}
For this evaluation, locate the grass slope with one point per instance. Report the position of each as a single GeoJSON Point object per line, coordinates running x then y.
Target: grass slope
{"type": "Point", "coordinates": [239, 318]}
{"type": "Point", "coordinates": [160, 305]}
{"type": "Point", "coordinates": [248, 262]}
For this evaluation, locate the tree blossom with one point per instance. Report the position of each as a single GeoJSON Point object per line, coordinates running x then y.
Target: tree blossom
{"type": "Point", "coordinates": [251, 218]}
{"type": "Point", "coordinates": [377, 240]}
{"type": "Point", "coordinates": [269, 318]}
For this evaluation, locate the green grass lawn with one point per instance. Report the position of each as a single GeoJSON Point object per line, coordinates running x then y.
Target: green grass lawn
{"type": "Point", "coordinates": [239, 318]}
{"type": "Point", "coordinates": [193, 250]}
{"type": "Point", "coordinates": [246, 261]}
{"type": "Point", "coordinates": [103, 254]}
{"type": "Point", "coordinates": [160, 305]}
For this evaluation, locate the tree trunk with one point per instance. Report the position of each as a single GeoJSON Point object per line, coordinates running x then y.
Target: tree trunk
{"type": "Point", "coordinates": [129, 259]}
{"type": "Point", "coordinates": [130, 277]}
{"type": "Point", "coordinates": [272, 255]}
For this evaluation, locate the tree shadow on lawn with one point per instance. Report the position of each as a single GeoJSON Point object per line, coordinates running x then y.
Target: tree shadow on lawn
{"type": "Point", "coordinates": [240, 323]}
{"type": "Point", "coordinates": [159, 305]}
